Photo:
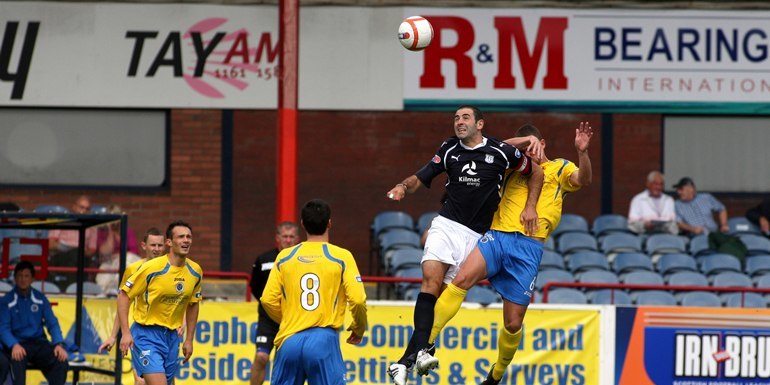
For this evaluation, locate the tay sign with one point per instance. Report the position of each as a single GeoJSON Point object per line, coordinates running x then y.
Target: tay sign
{"type": "Point", "coordinates": [622, 58]}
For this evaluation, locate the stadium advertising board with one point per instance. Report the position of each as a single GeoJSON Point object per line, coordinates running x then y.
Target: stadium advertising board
{"type": "Point", "coordinates": [560, 346]}
{"type": "Point", "coordinates": [692, 346]}
{"type": "Point", "coordinates": [655, 60]}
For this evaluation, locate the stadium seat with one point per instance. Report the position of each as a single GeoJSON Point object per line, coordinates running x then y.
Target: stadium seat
{"type": "Point", "coordinates": [411, 294]}
{"type": "Point", "coordinates": [700, 299]}
{"type": "Point", "coordinates": [608, 224]}
{"type": "Point", "coordinates": [53, 209]}
{"type": "Point", "coordinates": [587, 260]}
{"type": "Point", "coordinates": [686, 278]}
{"type": "Point", "coordinates": [5, 287]}
{"type": "Point", "coordinates": [655, 298]}
{"type": "Point", "coordinates": [627, 262]}
{"type": "Point", "coordinates": [620, 243]}
{"type": "Point", "coordinates": [99, 209]}
{"type": "Point", "coordinates": [598, 276]}
{"type": "Point", "coordinates": [88, 288]}
{"type": "Point", "coordinates": [741, 225]}
{"type": "Point", "coordinates": [610, 297]}
{"type": "Point", "coordinates": [573, 242]}
{"type": "Point", "coordinates": [482, 295]}
{"type": "Point", "coordinates": [762, 282]}
{"type": "Point", "coordinates": [388, 220]}
{"type": "Point", "coordinates": [549, 244]}
{"type": "Point", "coordinates": [699, 245]}
{"type": "Point", "coordinates": [567, 295]}
{"type": "Point", "coordinates": [547, 276]}
{"type": "Point", "coordinates": [717, 263]}
{"type": "Point", "coordinates": [747, 299]}
{"type": "Point", "coordinates": [399, 239]}
{"type": "Point", "coordinates": [404, 259]}
{"type": "Point", "coordinates": [757, 265]}
{"type": "Point", "coordinates": [551, 260]}
{"type": "Point", "coordinates": [643, 278]}
{"type": "Point", "coordinates": [664, 244]}
{"type": "Point", "coordinates": [423, 222]}
{"type": "Point", "coordinates": [48, 288]}
{"type": "Point", "coordinates": [756, 244]}
{"type": "Point", "coordinates": [731, 279]}
{"type": "Point", "coordinates": [672, 263]}
{"type": "Point", "coordinates": [402, 287]}
{"type": "Point", "coordinates": [570, 223]}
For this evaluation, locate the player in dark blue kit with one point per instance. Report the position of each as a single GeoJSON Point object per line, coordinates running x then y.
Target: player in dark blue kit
{"type": "Point", "coordinates": [475, 166]}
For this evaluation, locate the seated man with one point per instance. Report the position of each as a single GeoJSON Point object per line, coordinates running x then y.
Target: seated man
{"type": "Point", "coordinates": [25, 312]}
{"type": "Point", "coordinates": [63, 245]}
{"type": "Point", "coordinates": [651, 210]}
{"type": "Point", "coordinates": [695, 211]}
{"type": "Point", "coordinates": [760, 216]}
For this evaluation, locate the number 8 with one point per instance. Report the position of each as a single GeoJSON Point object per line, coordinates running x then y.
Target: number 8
{"type": "Point", "coordinates": [307, 290]}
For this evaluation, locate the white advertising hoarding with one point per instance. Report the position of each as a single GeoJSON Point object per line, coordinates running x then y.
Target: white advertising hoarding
{"type": "Point", "coordinates": [630, 59]}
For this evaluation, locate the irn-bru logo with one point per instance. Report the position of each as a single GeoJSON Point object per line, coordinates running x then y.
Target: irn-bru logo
{"type": "Point", "coordinates": [512, 44]}
{"type": "Point", "coordinates": [728, 356]}
{"type": "Point", "coordinates": [211, 56]}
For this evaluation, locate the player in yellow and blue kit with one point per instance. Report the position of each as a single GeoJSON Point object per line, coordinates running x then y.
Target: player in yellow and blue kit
{"type": "Point", "coordinates": [167, 290]}
{"type": "Point", "coordinates": [509, 254]}
{"type": "Point", "coordinates": [307, 293]}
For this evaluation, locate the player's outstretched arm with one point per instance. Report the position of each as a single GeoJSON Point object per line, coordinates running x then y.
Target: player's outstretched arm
{"type": "Point", "coordinates": [409, 185]}
{"type": "Point", "coordinates": [534, 185]}
{"type": "Point", "coordinates": [271, 296]}
{"type": "Point", "coordinates": [584, 175]}
{"type": "Point", "coordinates": [534, 146]}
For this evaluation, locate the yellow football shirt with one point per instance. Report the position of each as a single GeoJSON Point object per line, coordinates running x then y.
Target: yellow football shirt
{"type": "Point", "coordinates": [161, 291]}
{"type": "Point", "coordinates": [310, 285]}
{"type": "Point", "coordinates": [556, 185]}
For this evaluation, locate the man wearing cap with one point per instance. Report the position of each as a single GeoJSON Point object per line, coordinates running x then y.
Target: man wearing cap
{"type": "Point", "coordinates": [695, 211]}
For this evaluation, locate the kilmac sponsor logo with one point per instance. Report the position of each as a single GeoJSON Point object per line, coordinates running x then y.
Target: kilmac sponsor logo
{"type": "Point", "coordinates": [725, 355]}
{"type": "Point", "coordinates": [213, 56]}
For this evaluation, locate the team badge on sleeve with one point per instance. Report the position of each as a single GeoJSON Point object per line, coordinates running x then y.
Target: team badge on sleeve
{"type": "Point", "coordinates": [129, 284]}
{"type": "Point", "coordinates": [358, 278]}
{"type": "Point", "coordinates": [436, 159]}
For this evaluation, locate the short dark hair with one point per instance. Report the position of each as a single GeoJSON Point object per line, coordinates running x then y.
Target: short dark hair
{"type": "Point", "coordinates": [151, 231]}
{"type": "Point", "coordinates": [315, 216]}
{"type": "Point", "coordinates": [170, 228]}
{"type": "Point", "coordinates": [527, 130]}
{"type": "Point", "coordinates": [476, 111]}
{"type": "Point", "coordinates": [24, 265]}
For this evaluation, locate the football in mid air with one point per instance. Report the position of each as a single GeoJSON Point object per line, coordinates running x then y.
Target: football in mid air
{"type": "Point", "coordinates": [415, 33]}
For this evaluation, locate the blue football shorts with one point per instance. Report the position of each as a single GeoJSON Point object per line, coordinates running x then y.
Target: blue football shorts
{"type": "Point", "coordinates": [512, 263]}
{"type": "Point", "coordinates": [156, 350]}
{"type": "Point", "coordinates": [313, 355]}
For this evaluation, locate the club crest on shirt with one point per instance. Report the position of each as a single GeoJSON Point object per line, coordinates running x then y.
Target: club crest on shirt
{"type": "Point", "coordinates": [34, 308]}
{"type": "Point", "coordinates": [179, 286]}
{"type": "Point", "coordinates": [489, 159]}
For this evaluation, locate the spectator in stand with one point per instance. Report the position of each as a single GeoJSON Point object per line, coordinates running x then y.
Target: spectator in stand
{"type": "Point", "coordinates": [63, 245]}
{"type": "Point", "coordinates": [25, 318]}
{"type": "Point", "coordinates": [108, 237]}
{"type": "Point", "coordinates": [286, 235]}
{"type": "Point", "coordinates": [760, 215]}
{"type": "Point", "coordinates": [695, 210]}
{"type": "Point", "coordinates": [652, 211]}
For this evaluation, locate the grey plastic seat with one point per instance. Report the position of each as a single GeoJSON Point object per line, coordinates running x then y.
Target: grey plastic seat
{"type": "Point", "coordinates": [716, 263]}
{"type": "Point", "coordinates": [482, 295]}
{"type": "Point", "coordinates": [598, 276]}
{"type": "Point", "coordinates": [424, 221]}
{"type": "Point", "coordinates": [405, 258]}
{"type": "Point", "coordinates": [757, 265]}
{"type": "Point", "coordinates": [570, 223]}
{"type": "Point", "coordinates": [699, 245]}
{"type": "Point", "coordinates": [549, 244]}
{"type": "Point", "coordinates": [700, 299]}
{"type": "Point", "coordinates": [610, 297]}
{"type": "Point", "coordinates": [762, 281]}
{"type": "Point", "coordinates": [756, 244]}
{"type": "Point", "coordinates": [574, 242]}
{"type": "Point", "coordinates": [88, 288]}
{"type": "Point", "coordinates": [399, 239]}
{"type": "Point", "coordinates": [5, 287]}
{"type": "Point", "coordinates": [551, 260]}
{"type": "Point", "coordinates": [587, 260]}
{"type": "Point", "coordinates": [388, 220]}
{"type": "Point", "coordinates": [664, 244]}
{"type": "Point", "coordinates": [47, 288]}
{"type": "Point", "coordinates": [731, 279]}
{"type": "Point", "coordinates": [748, 299]}
{"type": "Point", "coordinates": [413, 272]}
{"type": "Point", "coordinates": [567, 295]}
{"type": "Point", "coordinates": [672, 263]}
{"type": "Point", "coordinates": [55, 209]}
{"type": "Point", "coordinates": [655, 298]}
{"type": "Point", "coordinates": [628, 262]}
{"type": "Point", "coordinates": [620, 243]}
{"type": "Point", "coordinates": [741, 225]}
{"type": "Point", "coordinates": [643, 278]}
{"type": "Point", "coordinates": [686, 278]}
{"type": "Point", "coordinates": [608, 224]}
{"type": "Point", "coordinates": [547, 276]}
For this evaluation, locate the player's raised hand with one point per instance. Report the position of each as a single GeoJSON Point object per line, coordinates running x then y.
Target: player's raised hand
{"type": "Point", "coordinates": [535, 149]}
{"type": "Point", "coordinates": [583, 136]}
{"type": "Point", "coordinates": [354, 339]}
